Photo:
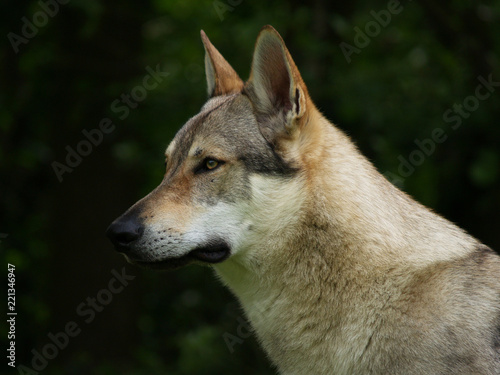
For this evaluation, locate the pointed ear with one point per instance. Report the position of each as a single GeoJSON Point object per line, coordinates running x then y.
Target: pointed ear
{"type": "Point", "coordinates": [275, 83]}
{"type": "Point", "coordinates": [221, 77]}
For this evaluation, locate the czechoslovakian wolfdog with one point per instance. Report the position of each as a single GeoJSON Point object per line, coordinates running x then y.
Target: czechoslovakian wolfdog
{"type": "Point", "coordinates": [338, 271]}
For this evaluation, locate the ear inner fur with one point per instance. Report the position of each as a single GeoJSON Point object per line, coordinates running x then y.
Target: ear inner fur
{"type": "Point", "coordinates": [221, 77]}
{"type": "Point", "coordinates": [275, 83]}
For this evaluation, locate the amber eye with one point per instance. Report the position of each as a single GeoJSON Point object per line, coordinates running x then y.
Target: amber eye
{"type": "Point", "coordinates": [208, 165]}
{"type": "Point", "coordinates": [211, 164]}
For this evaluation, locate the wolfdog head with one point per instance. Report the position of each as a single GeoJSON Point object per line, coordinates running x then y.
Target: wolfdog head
{"type": "Point", "coordinates": [234, 176]}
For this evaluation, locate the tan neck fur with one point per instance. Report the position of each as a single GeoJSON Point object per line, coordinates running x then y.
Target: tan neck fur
{"type": "Point", "coordinates": [351, 229]}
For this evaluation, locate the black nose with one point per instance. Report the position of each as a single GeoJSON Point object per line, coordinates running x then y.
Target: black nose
{"type": "Point", "coordinates": [124, 231]}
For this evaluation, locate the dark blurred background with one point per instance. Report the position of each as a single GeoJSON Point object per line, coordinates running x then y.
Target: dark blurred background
{"type": "Point", "coordinates": [391, 84]}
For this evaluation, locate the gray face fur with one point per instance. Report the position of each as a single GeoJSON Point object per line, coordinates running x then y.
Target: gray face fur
{"type": "Point", "coordinates": [225, 130]}
{"type": "Point", "coordinates": [197, 209]}
{"type": "Point", "coordinates": [228, 125]}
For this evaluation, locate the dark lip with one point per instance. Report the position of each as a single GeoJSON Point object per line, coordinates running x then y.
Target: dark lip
{"type": "Point", "coordinates": [212, 253]}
